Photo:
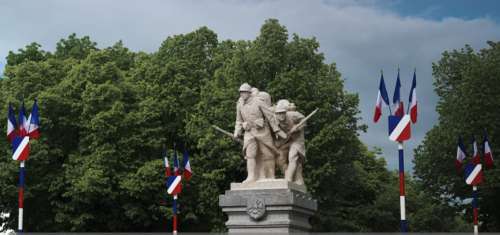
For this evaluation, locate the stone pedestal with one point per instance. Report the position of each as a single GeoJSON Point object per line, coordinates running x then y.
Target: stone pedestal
{"type": "Point", "coordinates": [273, 206]}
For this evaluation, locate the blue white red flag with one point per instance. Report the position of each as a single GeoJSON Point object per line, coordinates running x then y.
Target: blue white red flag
{"type": "Point", "coordinates": [20, 148]}
{"type": "Point", "coordinates": [381, 97]}
{"type": "Point", "coordinates": [34, 122]}
{"type": "Point", "coordinates": [476, 157]}
{"type": "Point", "coordinates": [11, 124]}
{"type": "Point", "coordinates": [488, 155]}
{"type": "Point", "coordinates": [473, 174]}
{"type": "Point", "coordinates": [174, 185]}
{"type": "Point", "coordinates": [23, 123]}
{"type": "Point", "coordinates": [187, 173]}
{"type": "Point", "coordinates": [461, 154]}
{"type": "Point", "coordinates": [176, 163]}
{"type": "Point", "coordinates": [399, 128]}
{"type": "Point", "coordinates": [398, 109]}
{"type": "Point", "coordinates": [413, 98]}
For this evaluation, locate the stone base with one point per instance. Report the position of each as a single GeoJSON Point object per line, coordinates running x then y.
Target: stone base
{"type": "Point", "coordinates": [274, 206]}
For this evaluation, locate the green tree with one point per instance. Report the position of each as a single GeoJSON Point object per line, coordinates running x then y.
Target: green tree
{"type": "Point", "coordinates": [31, 52]}
{"type": "Point", "coordinates": [105, 114]}
{"type": "Point", "coordinates": [466, 83]}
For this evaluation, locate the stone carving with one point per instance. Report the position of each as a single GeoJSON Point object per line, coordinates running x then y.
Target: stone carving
{"type": "Point", "coordinates": [258, 143]}
{"type": "Point", "coordinates": [256, 208]}
{"type": "Point", "coordinates": [272, 135]}
{"type": "Point", "coordinates": [292, 148]}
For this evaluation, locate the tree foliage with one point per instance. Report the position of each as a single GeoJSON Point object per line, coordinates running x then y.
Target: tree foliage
{"type": "Point", "coordinates": [467, 83]}
{"type": "Point", "coordinates": [105, 114]}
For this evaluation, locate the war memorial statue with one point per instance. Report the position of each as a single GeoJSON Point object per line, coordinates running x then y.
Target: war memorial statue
{"type": "Point", "coordinates": [272, 136]}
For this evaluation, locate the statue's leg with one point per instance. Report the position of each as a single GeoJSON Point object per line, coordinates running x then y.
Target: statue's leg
{"type": "Point", "coordinates": [282, 160]}
{"type": "Point", "coordinates": [298, 173]}
{"type": "Point", "coordinates": [251, 153]}
{"type": "Point", "coordinates": [270, 168]}
{"type": "Point", "coordinates": [268, 160]}
{"type": "Point", "coordinates": [293, 156]}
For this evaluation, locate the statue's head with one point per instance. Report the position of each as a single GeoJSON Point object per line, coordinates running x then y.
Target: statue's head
{"type": "Point", "coordinates": [281, 108]}
{"type": "Point", "coordinates": [245, 91]}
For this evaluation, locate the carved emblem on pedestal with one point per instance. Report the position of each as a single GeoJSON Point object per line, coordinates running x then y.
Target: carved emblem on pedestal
{"type": "Point", "coordinates": [256, 208]}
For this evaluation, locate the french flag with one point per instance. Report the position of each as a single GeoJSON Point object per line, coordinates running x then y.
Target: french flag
{"type": "Point", "coordinates": [488, 155]}
{"type": "Point", "coordinates": [20, 148]}
{"type": "Point", "coordinates": [11, 124]}
{"type": "Point", "coordinates": [34, 122]}
{"type": "Point", "coordinates": [461, 154]}
{"type": "Point", "coordinates": [165, 161]}
{"type": "Point", "coordinates": [23, 123]}
{"type": "Point", "coordinates": [413, 98]}
{"type": "Point", "coordinates": [382, 96]}
{"type": "Point", "coordinates": [476, 157]}
{"type": "Point", "coordinates": [187, 173]}
{"type": "Point", "coordinates": [176, 163]}
{"type": "Point", "coordinates": [396, 100]}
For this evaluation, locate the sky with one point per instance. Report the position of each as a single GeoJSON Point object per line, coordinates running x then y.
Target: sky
{"type": "Point", "coordinates": [361, 37]}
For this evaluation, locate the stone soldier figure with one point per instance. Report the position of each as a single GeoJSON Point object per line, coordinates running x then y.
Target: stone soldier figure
{"type": "Point", "coordinates": [292, 148]}
{"type": "Point", "coordinates": [258, 145]}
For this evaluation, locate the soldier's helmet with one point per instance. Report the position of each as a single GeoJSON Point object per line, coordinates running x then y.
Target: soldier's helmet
{"type": "Point", "coordinates": [245, 87]}
{"type": "Point", "coordinates": [282, 106]}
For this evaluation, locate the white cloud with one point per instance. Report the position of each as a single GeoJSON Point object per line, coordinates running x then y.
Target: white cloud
{"type": "Point", "coordinates": [360, 37]}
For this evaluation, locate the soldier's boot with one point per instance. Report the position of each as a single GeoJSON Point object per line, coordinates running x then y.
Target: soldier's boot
{"type": "Point", "coordinates": [251, 164]}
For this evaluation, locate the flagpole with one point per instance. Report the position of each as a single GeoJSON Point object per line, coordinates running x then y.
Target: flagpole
{"type": "Point", "coordinates": [402, 204]}
{"type": "Point", "coordinates": [475, 209]}
{"type": "Point", "coordinates": [21, 196]}
{"type": "Point", "coordinates": [174, 215]}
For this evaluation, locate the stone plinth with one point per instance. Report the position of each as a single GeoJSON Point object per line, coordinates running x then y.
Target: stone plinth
{"type": "Point", "coordinates": [274, 206]}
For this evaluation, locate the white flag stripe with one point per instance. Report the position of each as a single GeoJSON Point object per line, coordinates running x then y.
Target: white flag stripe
{"type": "Point", "coordinates": [402, 206]}
{"type": "Point", "coordinates": [20, 148]}
{"type": "Point", "coordinates": [32, 127]}
{"type": "Point", "coordinates": [460, 154]}
{"type": "Point", "coordinates": [166, 162]}
{"type": "Point", "coordinates": [27, 125]}
{"type": "Point", "coordinates": [174, 184]}
{"type": "Point", "coordinates": [379, 100]}
{"type": "Point", "coordinates": [414, 98]}
{"type": "Point", "coordinates": [487, 148]}
{"type": "Point", "coordinates": [473, 174]}
{"type": "Point", "coordinates": [10, 127]}
{"type": "Point", "coordinates": [20, 220]}
{"type": "Point", "coordinates": [475, 148]}
{"type": "Point", "coordinates": [400, 127]}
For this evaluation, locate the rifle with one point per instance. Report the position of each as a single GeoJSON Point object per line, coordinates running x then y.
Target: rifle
{"type": "Point", "coordinates": [227, 133]}
{"type": "Point", "coordinates": [302, 122]}
{"type": "Point", "coordinates": [294, 128]}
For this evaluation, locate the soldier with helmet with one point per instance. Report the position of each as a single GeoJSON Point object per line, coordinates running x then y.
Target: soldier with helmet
{"type": "Point", "coordinates": [292, 148]}
{"type": "Point", "coordinates": [258, 145]}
